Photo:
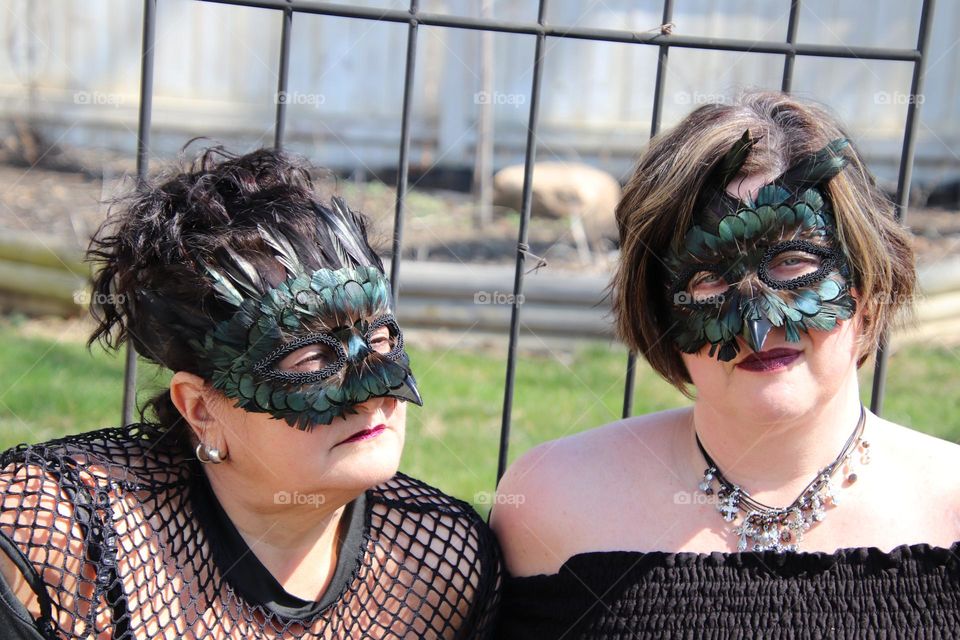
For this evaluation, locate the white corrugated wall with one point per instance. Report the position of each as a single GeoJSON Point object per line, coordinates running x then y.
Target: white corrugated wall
{"type": "Point", "coordinates": [73, 67]}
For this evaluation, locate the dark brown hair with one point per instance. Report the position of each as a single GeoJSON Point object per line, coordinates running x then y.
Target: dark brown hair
{"type": "Point", "coordinates": [658, 205]}
{"type": "Point", "coordinates": [158, 238]}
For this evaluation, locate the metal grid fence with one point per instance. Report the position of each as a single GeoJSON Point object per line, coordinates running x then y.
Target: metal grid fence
{"type": "Point", "coordinates": [413, 17]}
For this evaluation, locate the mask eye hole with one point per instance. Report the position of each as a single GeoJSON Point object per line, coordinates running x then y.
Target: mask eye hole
{"type": "Point", "coordinates": [380, 340]}
{"type": "Point", "coordinates": [796, 263]}
{"type": "Point", "coordinates": [790, 265]}
{"type": "Point", "coordinates": [308, 359]}
{"type": "Point", "coordinates": [384, 337]}
{"type": "Point", "coordinates": [704, 285]}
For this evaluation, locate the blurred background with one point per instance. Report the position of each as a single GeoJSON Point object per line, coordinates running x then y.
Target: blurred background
{"type": "Point", "coordinates": [69, 103]}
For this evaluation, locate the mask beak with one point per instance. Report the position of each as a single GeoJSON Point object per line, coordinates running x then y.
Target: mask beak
{"type": "Point", "coordinates": [408, 391]}
{"type": "Point", "coordinates": [757, 331]}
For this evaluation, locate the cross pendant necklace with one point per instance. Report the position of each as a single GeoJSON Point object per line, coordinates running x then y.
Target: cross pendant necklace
{"type": "Point", "coordinates": [780, 529]}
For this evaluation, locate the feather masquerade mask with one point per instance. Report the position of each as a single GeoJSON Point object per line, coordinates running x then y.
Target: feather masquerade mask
{"type": "Point", "coordinates": [312, 347]}
{"type": "Point", "coordinates": [746, 266]}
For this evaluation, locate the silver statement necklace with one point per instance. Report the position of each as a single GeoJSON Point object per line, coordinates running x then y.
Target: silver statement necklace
{"type": "Point", "coordinates": [763, 527]}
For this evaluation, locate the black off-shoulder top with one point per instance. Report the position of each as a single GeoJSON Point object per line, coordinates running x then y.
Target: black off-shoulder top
{"type": "Point", "coordinates": [912, 591]}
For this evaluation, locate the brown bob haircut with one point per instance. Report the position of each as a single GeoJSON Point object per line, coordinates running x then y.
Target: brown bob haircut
{"type": "Point", "coordinates": [658, 203]}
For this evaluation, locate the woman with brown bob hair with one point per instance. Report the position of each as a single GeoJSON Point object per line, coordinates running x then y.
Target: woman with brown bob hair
{"type": "Point", "coordinates": [760, 265]}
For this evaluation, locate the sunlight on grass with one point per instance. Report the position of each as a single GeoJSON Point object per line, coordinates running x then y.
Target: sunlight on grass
{"type": "Point", "coordinates": [49, 388]}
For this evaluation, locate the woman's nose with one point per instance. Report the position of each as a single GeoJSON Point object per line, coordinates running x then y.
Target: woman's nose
{"type": "Point", "coordinates": [370, 406]}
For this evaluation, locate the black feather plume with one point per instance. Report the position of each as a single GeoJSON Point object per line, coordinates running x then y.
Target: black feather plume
{"type": "Point", "coordinates": [283, 250]}
{"type": "Point", "coordinates": [346, 235]}
{"type": "Point", "coordinates": [818, 167]}
{"type": "Point", "coordinates": [241, 273]}
{"type": "Point", "coordinates": [733, 160]}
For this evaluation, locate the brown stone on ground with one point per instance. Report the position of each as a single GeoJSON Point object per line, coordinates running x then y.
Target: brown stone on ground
{"type": "Point", "coordinates": [562, 190]}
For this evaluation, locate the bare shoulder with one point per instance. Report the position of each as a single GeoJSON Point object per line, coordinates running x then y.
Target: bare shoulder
{"type": "Point", "coordinates": [33, 507]}
{"type": "Point", "coordinates": [923, 456]}
{"type": "Point", "coordinates": [919, 471]}
{"type": "Point", "coordinates": [552, 502]}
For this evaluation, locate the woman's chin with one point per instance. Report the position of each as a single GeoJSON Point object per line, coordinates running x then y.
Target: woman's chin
{"type": "Point", "coordinates": [368, 461]}
{"type": "Point", "coordinates": [772, 399]}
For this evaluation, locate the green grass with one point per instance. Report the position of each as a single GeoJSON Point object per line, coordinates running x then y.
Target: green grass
{"type": "Point", "coordinates": [50, 387]}
{"type": "Point", "coordinates": [922, 390]}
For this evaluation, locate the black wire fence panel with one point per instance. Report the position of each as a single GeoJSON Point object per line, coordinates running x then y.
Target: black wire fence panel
{"type": "Point", "coordinates": [661, 38]}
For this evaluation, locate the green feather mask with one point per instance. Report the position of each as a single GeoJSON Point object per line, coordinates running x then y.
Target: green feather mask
{"type": "Point", "coordinates": [311, 347]}
{"type": "Point", "coordinates": [746, 266]}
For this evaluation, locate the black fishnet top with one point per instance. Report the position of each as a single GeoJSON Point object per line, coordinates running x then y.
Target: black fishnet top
{"type": "Point", "coordinates": [912, 591]}
{"type": "Point", "coordinates": [106, 527]}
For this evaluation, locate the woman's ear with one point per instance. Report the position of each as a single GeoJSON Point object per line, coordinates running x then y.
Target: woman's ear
{"type": "Point", "coordinates": [191, 397]}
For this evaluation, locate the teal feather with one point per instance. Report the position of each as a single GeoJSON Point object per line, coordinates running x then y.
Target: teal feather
{"type": "Point", "coordinates": [247, 386]}
{"type": "Point", "coordinates": [813, 199]}
{"type": "Point", "coordinates": [791, 314]}
{"type": "Point", "coordinates": [299, 285]}
{"type": "Point", "coordinates": [731, 228]}
{"type": "Point", "coordinates": [829, 290]}
{"type": "Point", "coordinates": [791, 332]}
{"type": "Point", "coordinates": [262, 396]}
{"type": "Point", "coordinates": [774, 308]}
{"type": "Point", "coordinates": [751, 222]}
{"type": "Point", "coordinates": [713, 331]}
{"type": "Point", "coordinates": [823, 321]}
{"type": "Point", "coordinates": [224, 289]}
{"type": "Point", "coordinates": [806, 302]}
{"type": "Point", "coordinates": [728, 351]}
{"type": "Point", "coordinates": [768, 217]}
{"type": "Point", "coordinates": [279, 399]}
{"type": "Point", "coordinates": [695, 242]}
{"type": "Point", "coordinates": [357, 347]}
{"type": "Point", "coordinates": [355, 295]}
{"type": "Point", "coordinates": [845, 307]}
{"type": "Point", "coordinates": [337, 395]}
{"type": "Point", "coordinates": [278, 297]}
{"type": "Point", "coordinates": [786, 216]}
{"type": "Point", "coordinates": [297, 401]}
{"type": "Point", "coordinates": [772, 195]}
{"type": "Point", "coordinates": [373, 385]}
{"type": "Point", "coordinates": [318, 401]}
{"type": "Point", "coordinates": [326, 298]}
{"type": "Point", "coordinates": [323, 279]}
{"type": "Point", "coordinates": [290, 320]}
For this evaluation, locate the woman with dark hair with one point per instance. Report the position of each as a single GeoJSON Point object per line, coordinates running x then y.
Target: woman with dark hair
{"type": "Point", "coordinates": [759, 267]}
{"type": "Point", "coordinates": [263, 498]}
